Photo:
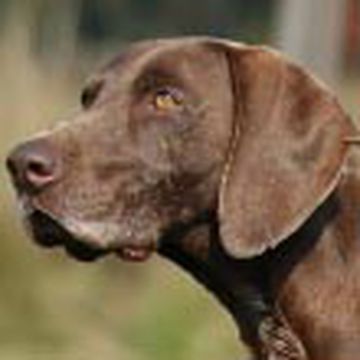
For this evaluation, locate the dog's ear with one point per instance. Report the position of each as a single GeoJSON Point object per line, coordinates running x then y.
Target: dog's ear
{"type": "Point", "coordinates": [286, 152]}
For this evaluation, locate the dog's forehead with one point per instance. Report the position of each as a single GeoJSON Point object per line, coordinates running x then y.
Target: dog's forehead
{"type": "Point", "coordinates": [133, 59]}
{"type": "Point", "coordinates": [131, 53]}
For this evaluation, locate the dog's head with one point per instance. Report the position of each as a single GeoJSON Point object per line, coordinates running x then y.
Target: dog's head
{"type": "Point", "coordinates": [172, 128]}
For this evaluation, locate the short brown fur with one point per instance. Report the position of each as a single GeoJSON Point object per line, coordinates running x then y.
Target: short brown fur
{"type": "Point", "coordinates": [247, 182]}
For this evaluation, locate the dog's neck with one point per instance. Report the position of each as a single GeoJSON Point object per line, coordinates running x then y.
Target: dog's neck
{"type": "Point", "coordinates": [317, 290]}
{"type": "Point", "coordinates": [240, 285]}
{"type": "Point", "coordinates": [277, 283]}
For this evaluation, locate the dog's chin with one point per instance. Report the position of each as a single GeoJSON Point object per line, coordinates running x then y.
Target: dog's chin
{"type": "Point", "coordinates": [49, 232]}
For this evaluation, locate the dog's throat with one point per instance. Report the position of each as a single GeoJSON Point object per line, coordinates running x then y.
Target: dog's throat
{"type": "Point", "coordinates": [196, 249]}
{"type": "Point", "coordinates": [237, 284]}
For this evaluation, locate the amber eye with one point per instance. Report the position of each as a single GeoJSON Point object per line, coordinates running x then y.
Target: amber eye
{"type": "Point", "coordinates": [168, 99]}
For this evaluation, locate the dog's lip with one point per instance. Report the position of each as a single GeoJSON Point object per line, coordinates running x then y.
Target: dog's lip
{"type": "Point", "coordinates": [50, 231]}
{"type": "Point", "coordinates": [134, 253]}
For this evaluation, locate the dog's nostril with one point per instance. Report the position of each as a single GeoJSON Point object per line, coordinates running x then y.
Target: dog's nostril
{"type": "Point", "coordinates": [39, 170]}
{"type": "Point", "coordinates": [33, 165]}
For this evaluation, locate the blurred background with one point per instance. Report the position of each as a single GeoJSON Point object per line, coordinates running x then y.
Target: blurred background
{"type": "Point", "coordinates": [54, 308]}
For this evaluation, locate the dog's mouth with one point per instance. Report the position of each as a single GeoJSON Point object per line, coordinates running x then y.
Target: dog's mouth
{"type": "Point", "coordinates": [48, 232]}
{"type": "Point", "coordinates": [134, 253]}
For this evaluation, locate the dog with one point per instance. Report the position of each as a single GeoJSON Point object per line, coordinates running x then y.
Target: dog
{"type": "Point", "coordinates": [229, 159]}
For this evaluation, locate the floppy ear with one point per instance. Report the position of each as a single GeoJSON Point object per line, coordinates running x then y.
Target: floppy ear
{"type": "Point", "coordinates": [286, 152]}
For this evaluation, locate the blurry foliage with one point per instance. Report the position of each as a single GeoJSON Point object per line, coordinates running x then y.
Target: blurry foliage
{"type": "Point", "coordinates": [106, 20]}
{"type": "Point", "coordinates": [141, 18]}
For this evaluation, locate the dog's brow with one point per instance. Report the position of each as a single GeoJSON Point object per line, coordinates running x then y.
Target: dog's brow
{"type": "Point", "coordinates": [153, 77]}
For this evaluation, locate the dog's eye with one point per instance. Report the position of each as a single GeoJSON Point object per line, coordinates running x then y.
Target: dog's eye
{"type": "Point", "coordinates": [90, 94]}
{"type": "Point", "coordinates": [166, 99]}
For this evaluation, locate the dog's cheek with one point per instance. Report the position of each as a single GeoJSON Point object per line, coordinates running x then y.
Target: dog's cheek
{"type": "Point", "coordinates": [189, 153]}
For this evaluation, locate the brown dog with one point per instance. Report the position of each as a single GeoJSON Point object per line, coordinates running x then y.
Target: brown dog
{"type": "Point", "coordinates": [228, 159]}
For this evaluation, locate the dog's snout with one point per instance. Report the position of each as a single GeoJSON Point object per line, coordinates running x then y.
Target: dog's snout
{"type": "Point", "coordinates": [34, 165]}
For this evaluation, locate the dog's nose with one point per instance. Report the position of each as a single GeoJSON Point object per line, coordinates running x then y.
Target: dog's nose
{"type": "Point", "coordinates": [33, 165]}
